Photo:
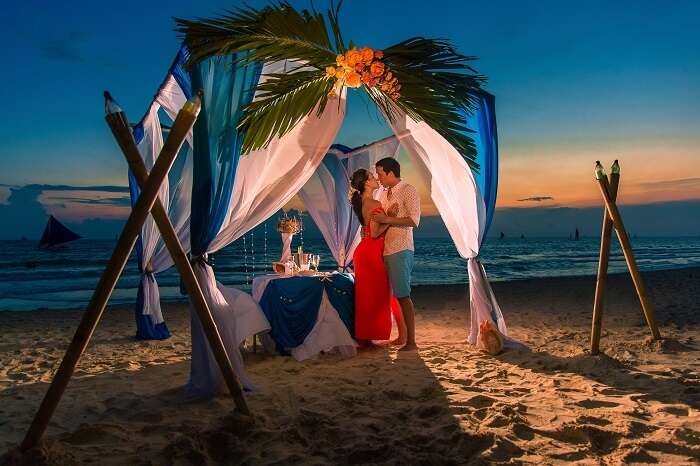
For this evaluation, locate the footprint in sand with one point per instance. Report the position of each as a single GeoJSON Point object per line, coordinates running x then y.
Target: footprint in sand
{"type": "Point", "coordinates": [592, 420]}
{"type": "Point", "coordinates": [675, 410]}
{"type": "Point", "coordinates": [591, 404]}
{"type": "Point", "coordinates": [600, 440]}
{"type": "Point", "coordinates": [480, 401]}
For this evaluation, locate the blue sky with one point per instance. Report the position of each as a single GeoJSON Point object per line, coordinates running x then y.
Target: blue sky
{"type": "Point", "coordinates": [574, 82]}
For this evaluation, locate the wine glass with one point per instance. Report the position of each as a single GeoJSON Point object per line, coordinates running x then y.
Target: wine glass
{"type": "Point", "coordinates": [315, 260]}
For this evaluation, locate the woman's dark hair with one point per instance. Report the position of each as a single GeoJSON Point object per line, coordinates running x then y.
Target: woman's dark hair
{"type": "Point", "coordinates": [357, 181]}
{"type": "Point", "coordinates": [390, 164]}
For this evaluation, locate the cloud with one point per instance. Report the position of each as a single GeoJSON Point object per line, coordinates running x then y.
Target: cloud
{"type": "Point", "coordinates": [115, 201]}
{"type": "Point", "coordinates": [62, 187]}
{"type": "Point", "coordinates": [536, 199]}
{"type": "Point", "coordinates": [66, 47]}
{"type": "Point", "coordinates": [681, 184]}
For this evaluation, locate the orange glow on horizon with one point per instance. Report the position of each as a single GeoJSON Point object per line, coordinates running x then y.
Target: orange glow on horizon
{"type": "Point", "coordinates": [648, 175]}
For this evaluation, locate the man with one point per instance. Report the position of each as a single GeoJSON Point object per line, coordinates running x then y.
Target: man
{"type": "Point", "coordinates": [402, 203]}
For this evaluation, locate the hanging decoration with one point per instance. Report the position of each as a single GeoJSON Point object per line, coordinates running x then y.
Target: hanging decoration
{"type": "Point", "coordinates": [426, 79]}
{"type": "Point", "coordinates": [245, 260]}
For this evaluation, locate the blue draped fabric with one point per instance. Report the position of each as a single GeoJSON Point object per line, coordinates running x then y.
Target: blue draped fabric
{"type": "Point", "coordinates": [145, 328]}
{"type": "Point", "coordinates": [177, 69]}
{"type": "Point", "coordinates": [227, 87]}
{"type": "Point", "coordinates": [291, 306]}
{"type": "Point", "coordinates": [341, 294]}
{"type": "Point", "coordinates": [485, 136]}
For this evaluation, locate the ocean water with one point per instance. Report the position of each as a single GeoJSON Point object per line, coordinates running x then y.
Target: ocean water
{"type": "Point", "coordinates": [62, 279]}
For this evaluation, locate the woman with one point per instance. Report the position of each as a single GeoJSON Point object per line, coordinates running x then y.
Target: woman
{"type": "Point", "coordinates": [373, 299]}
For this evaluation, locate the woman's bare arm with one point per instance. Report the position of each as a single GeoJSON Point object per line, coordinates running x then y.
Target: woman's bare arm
{"type": "Point", "coordinates": [376, 228]}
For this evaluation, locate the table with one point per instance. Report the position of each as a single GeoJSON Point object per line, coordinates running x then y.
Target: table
{"type": "Point", "coordinates": [308, 314]}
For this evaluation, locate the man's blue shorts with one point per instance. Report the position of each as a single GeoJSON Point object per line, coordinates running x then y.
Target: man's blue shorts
{"type": "Point", "coordinates": [399, 267]}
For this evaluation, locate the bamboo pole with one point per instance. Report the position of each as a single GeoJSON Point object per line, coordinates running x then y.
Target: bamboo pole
{"type": "Point", "coordinates": [603, 259]}
{"type": "Point", "coordinates": [182, 125]}
{"type": "Point", "coordinates": [629, 256]}
{"type": "Point", "coordinates": [118, 123]}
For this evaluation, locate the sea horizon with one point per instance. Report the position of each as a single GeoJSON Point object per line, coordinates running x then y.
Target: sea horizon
{"type": "Point", "coordinates": [32, 279]}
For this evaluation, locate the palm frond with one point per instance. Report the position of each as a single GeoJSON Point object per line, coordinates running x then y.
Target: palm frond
{"type": "Point", "coordinates": [276, 32]}
{"type": "Point", "coordinates": [437, 86]}
{"type": "Point", "coordinates": [283, 101]}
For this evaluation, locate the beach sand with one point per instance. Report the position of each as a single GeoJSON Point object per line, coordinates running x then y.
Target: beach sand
{"type": "Point", "coordinates": [446, 404]}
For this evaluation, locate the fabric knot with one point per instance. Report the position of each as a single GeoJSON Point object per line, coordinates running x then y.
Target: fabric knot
{"type": "Point", "coordinates": [201, 260]}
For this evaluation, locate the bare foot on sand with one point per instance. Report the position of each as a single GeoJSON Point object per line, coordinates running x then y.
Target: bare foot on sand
{"type": "Point", "coordinates": [397, 342]}
{"type": "Point", "coordinates": [409, 347]}
{"type": "Point", "coordinates": [367, 345]}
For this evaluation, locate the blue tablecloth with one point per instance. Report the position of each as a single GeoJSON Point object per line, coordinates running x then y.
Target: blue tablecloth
{"type": "Point", "coordinates": [291, 305]}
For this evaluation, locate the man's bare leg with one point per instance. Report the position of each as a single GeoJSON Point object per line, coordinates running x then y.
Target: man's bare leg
{"type": "Point", "coordinates": [409, 317]}
{"type": "Point", "coordinates": [400, 324]}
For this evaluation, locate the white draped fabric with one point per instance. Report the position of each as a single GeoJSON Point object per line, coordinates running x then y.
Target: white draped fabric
{"type": "Point", "coordinates": [235, 313]}
{"type": "Point", "coordinates": [328, 334]}
{"type": "Point", "coordinates": [265, 181]}
{"type": "Point", "coordinates": [456, 196]}
{"type": "Point", "coordinates": [325, 195]}
{"type": "Point", "coordinates": [174, 196]}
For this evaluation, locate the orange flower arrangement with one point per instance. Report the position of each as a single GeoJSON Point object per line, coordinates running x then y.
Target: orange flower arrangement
{"type": "Point", "coordinates": [357, 67]}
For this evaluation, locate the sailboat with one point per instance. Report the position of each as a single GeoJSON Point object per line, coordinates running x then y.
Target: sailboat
{"type": "Point", "coordinates": [56, 233]}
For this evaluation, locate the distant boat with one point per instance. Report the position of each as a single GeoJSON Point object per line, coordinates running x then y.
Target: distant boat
{"type": "Point", "coordinates": [502, 236]}
{"type": "Point", "coordinates": [56, 233]}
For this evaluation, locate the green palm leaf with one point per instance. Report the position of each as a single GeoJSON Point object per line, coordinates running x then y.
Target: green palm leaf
{"type": "Point", "coordinates": [277, 32]}
{"type": "Point", "coordinates": [437, 83]}
{"type": "Point", "coordinates": [437, 86]}
{"type": "Point", "coordinates": [284, 100]}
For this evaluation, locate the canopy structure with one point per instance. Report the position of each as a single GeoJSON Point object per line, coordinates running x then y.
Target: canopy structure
{"type": "Point", "coordinates": [270, 113]}
{"type": "Point", "coordinates": [273, 104]}
{"type": "Point", "coordinates": [232, 193]}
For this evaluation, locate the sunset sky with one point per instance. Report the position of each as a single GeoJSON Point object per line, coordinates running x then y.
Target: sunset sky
{"type": "Point", "coordinates": [573, 83]}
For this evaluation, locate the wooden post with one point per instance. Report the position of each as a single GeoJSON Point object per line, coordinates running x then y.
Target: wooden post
{"type": "Point", "coordinates": [629, 256]}
{"type": "Point", "coordinates": [603, 258]}
{"type": "Point", "coordinates": [182, 125]}
{"type": "Point", "coordinates": [119, 125]}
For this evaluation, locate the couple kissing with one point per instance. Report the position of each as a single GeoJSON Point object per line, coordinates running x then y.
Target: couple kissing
{"type": "Point", "coordinates": [383, 261]}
